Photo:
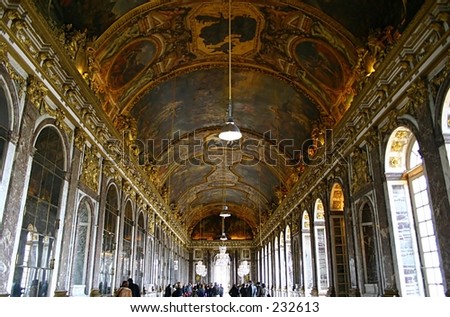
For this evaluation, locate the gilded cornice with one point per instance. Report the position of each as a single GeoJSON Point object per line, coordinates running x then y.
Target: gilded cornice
{"type": "Point", "coordinates": [19, 80]}
{"type": "Point", "coordinates": [360, 176]}
{"type": "Point", "coordinates": [90, 168]}
{"type": "Point", "coordinates": [216, 244]}
{"type": "Point", "coordinates": [439, 79]}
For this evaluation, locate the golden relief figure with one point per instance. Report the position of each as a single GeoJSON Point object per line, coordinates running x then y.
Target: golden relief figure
{"type": "Point", "coordinates": [37, 92]}
{"type": "Point", "coordinates": [90, 170]}
{"type": "Point", "coordinates": [360, 170]}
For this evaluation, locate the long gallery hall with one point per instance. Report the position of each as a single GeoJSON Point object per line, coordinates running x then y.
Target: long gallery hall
{"type": "Point", "coordinates": [225, 148]}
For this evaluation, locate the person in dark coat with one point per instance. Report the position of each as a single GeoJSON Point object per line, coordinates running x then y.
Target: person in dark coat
{"type": "Point", "coordinates": [134, 288]}
{"type": "Point", "coordinates": [168, 291]}
{"type": "Point", "coordinates": [234, 291]}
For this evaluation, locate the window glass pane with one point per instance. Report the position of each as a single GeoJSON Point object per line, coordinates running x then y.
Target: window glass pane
{"type": "Point", "coordinates": [436, 290]}
{"type": "Point", "coordinates": [424, 197]}
{"type": "Point", "coordinates": [415, 158]}
{"type": "Point", "coordinates": [418, 200]}
{"type": "Point", "coordinates": [432, 243]}
{"type": "Point", "coordinates": [428, 259]}
{"type": "Point", "coordinates": [423, 228]}
{"type": "Point", "coordinates": [421, 216]}
{"type": "Point", "coordinates": [430, 227]}
{"type": "Point", "coordinates": [432, 276]}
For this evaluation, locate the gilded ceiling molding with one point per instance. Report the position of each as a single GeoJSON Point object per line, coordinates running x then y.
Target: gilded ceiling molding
{"type": "Point", "coordinates": [112, 174]}
{"type": "Point", "coordinates": [417, 95]}
{"type": "Point", "coordinates": [371, 138]}
{"type": "Point", "coordinates": [18, 80]}
{"type": "Point", "coordinates": [360, 176]}
{"type": "Point", "coordinates": [128, 190]}
{"type": "Point", "coordinates": [90, 174]}
{"type": "Point", "coordinates": [387, 127]}
{"type": "Point", "coordinates": [295, 222]}
{"type": "Point", "coordinates": [437, 81]}
{"type": "Point", "coordinates": [230, 244]}
{"type": "Point", "coordinates": [36, 93]}
{"type": "Point", "coordinates": [151, 222]}
{"type": "Point", "coordinates": [80, 138]}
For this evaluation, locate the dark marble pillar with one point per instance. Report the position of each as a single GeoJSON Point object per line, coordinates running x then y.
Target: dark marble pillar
{"type": "Point", "coordinates": [430, 151]}
{"type": "Point", "coordinates": [312, 234]}
{"type": "Point", "coordinates": [296, 260]}
{"type": "Point", "coordinates": [387, 281]}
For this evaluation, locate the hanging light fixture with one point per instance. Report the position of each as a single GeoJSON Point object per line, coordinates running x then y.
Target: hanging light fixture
{"type": "Point", "coordinates": [223, 237]}
{"type": "Point", "coordinates": [225, 213]}
{"type": "Point", "coordinates": [230, 131]}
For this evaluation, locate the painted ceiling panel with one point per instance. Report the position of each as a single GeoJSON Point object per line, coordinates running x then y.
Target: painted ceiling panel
{"type": "Point", "coordinates": [160, 71]}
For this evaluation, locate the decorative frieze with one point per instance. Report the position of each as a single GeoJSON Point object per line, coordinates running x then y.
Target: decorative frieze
{"type": "Point", "coordinates": [18, 80]}
{"type": "Point", "coordinates": [360, 170]}
{"type": "Point", "coordinates": [91, 169]}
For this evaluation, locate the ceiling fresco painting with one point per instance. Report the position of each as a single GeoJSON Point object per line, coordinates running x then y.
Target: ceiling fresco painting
{"type": "Point", "coordinates": [160, 71]}
{"type": "Point", "coordinates": [129, 62]}
{"type": "Point", "coordinates": [209, 25]}
{"type": "Point", "coordinates": [208, 229]}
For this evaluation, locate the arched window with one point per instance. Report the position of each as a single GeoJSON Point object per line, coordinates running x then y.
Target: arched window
{"type": "Point", "coordinates": [339, 241]}
{"type": "Point", "coordinates": [109, 246]}
{"type": "Point", "coordinates": [82, 239]}
{"type": "Point", "coordinates": [321, 247]}
{"type": "Point", "coordinates": [35, 256]}
{"type": "Point", "coordinates": [307, 255]}
{"type": "Point", "coordinates": [127, 239]}
{"type": "Point", "coordinates": [416, 247]}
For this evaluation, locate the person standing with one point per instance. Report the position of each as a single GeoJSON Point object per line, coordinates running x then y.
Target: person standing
{"type": "Point", "coordinates": [168, 291]}
{"type": "Point", "coordinates": [136, 292]}
{"type": "Point", "coordinates": [234, 291]}
{"type": "Point", "coordinates": [124, 290]}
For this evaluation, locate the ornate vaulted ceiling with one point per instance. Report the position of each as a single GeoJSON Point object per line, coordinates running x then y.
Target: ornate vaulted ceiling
{"type": "Point", "coordinates": [161, 71]}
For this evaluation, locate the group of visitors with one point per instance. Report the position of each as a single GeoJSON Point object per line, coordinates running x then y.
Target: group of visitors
{"type": "Point", "coordinates": [248, 289]}
{"type": "Point", "coordinates": [196, 290]}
